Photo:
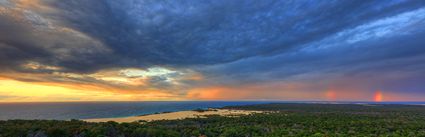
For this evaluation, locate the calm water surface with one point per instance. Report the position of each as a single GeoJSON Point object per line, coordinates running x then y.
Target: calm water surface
{"type": "Point", "coordinates": [83, 110]}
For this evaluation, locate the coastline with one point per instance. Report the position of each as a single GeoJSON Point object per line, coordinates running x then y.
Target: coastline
{"type": "Point", "coordinates": [176, 115]}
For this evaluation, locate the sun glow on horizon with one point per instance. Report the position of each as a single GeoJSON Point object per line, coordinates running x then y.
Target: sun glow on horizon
{"type": "Point", "coordinates": [378, 96]}
{"type": "Point", "coordinates": [18, 91]}
{"type": "Point", "coordinates": [331, 95]}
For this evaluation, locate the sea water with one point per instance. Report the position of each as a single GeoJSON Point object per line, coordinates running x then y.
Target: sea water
{"type": "Point", "coordinates": [85, 110]}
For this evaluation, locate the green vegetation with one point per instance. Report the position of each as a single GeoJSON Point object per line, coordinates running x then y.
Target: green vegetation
{"type": "Point", "coordinates": [204, 110]}
{"type": "Point", "coordinates": [286, 120]}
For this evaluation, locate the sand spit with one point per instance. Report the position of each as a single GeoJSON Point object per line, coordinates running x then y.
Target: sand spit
{"type": "Point", "coordinates": [177, 115]}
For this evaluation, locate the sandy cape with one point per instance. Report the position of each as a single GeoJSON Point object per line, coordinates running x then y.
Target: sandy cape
{"type": "Point", "coordinates": [177, 115]}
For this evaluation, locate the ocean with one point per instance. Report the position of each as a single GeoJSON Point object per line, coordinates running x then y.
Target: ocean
{"type": "Point", "coordinates": [86, 110]}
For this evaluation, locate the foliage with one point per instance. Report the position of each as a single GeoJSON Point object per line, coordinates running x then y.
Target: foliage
{"type": "Point", "coordinates": [284, 120]}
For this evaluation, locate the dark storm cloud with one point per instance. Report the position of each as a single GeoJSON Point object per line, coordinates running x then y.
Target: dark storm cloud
{"type": "Point", "coordinates": [210, 32]}
{"type": "Point", "coordinates": [15, 44]}
{"type": "Point", "coordinates": [385, 54]}
{"type": "Point", "coordinates": [27, 36]}
{"type": "Point", "coordinates": [230, 42]}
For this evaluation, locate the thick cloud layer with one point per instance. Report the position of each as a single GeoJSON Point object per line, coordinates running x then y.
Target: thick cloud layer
{"type": "Point", "coordinates": [357, 45]}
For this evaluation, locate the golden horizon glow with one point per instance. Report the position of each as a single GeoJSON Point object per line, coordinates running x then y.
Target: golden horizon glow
{"type": "Point", "coordinates": [17, 91]}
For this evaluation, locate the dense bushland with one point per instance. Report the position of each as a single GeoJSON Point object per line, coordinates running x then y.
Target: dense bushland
{"type": "Point", "coordinates": [284, 120]}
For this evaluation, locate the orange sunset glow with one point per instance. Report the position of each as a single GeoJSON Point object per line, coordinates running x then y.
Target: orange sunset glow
{"type": "Point", "coordinates": [378, 96]}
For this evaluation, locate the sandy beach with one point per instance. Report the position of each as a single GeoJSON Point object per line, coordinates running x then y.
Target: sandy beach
{"type": "Point", "coordinates": [177, 115]}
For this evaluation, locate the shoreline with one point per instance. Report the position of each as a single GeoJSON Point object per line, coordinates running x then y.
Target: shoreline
{"type": "Point", "coordinates": [177, 115]}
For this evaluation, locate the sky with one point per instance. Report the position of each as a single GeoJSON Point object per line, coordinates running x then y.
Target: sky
{"type": "Point", "coordinates": [177, 50]}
